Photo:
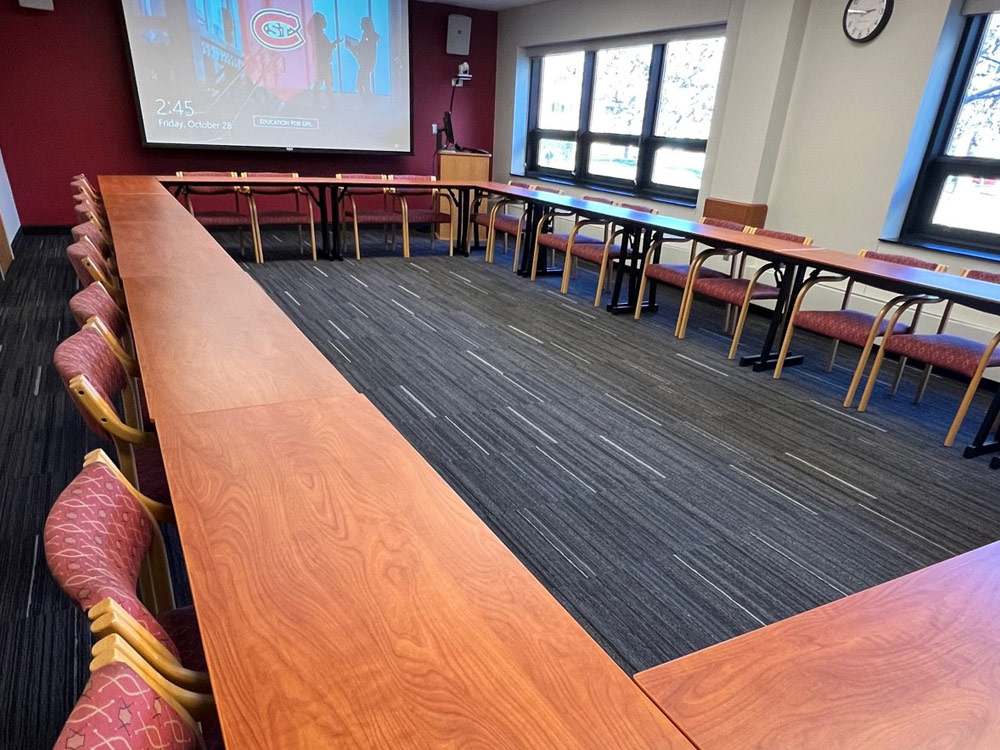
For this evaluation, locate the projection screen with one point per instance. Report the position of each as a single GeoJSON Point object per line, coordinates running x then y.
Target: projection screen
{"type": "Point", "coordinates": [274, 74]}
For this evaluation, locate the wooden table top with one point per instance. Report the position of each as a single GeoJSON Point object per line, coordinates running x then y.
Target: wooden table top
{"type": "Point", "coordinates": [913, 663]}
{"type": "Point", "coordinates": [347, 597]}
{"type": "Point", "coordinates": [217, 341]}
{"type": "Point", "coordinates": [980, 295]}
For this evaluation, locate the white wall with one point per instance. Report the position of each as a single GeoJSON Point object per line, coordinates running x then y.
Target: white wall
{"type": "Point", "coordinates": [816, 126]}
{"type": "Point", "coordinates": [8, 211]}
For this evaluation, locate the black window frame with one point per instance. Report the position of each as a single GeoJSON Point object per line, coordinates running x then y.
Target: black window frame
{"type": "Point", "coordinates": [647, 142]}
{"type": "Point", "coordinates": [938, 167]}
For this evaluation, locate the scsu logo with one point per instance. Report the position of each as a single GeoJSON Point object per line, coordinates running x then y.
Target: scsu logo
{"type": "Point", "coordinates": [277, 29]}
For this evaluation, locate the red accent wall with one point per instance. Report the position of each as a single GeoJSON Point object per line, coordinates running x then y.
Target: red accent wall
{"type": "Point", "coordinates": [66, 105]}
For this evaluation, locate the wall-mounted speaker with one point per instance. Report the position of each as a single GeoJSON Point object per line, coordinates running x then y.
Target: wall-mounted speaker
{"type": "Point", "coordinates": [459, 33]}
{"type": "Point", "coordinates": [37, 4]}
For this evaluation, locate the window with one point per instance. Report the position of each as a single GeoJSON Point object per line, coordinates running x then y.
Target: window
{"type": "Point", "coordinates": [956, 200]}
{"type": "Point", "coordinates": [634, 117]}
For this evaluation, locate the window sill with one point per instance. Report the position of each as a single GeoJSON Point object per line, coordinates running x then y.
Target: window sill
{"type": "Point", "coordinates": [644, 195]}
{"type": "Point", "coordinates": [966, 252]}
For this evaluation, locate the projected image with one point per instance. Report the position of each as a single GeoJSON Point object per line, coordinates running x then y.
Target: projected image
{"type": "Point", "coordinates": [316, 74]}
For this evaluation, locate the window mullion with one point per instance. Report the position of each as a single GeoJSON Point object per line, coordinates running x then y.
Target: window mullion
{"type": "Point", "coordinates": [586, 99]}
{"type": "Point", "coordinates": [644, 167]}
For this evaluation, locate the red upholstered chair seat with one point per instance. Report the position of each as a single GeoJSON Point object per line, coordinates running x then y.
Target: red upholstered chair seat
{"type": "Point", "coordinates": [953, 353]}
{"type": "Point", "coordinates": [94, 301]}
{"type": "Point", "coordinates": [506, 223]}
{"type": "Point", "coordinates": [278, 217]}
{"type": "Point", "coordinates": [222, 218]}
{"type": "Point", "coordinates": [482, 219]}
{"type": "Point", "coordinates": [559, 241]}
{"type": "Point", "coordinates": [152, 477]}
{"type": "Point", "coordinates": [95, 539]}
{"type": "Point", "coordinates": [593, 251]}
{"type": "Point", "coordinates": [181, 625]}
{"type": "Point", "coordinates": [676, 274]}
{"type": "Point", "coordinates": [427, 216]}
{"type": "Point", "coordinates": [375, 216]}
{"type": "Point", "coordinates": [852, 326]}
{"type": "Point", "coordinates": [733, 291]}
{"type": "Point", "coordinates": [119, 710]}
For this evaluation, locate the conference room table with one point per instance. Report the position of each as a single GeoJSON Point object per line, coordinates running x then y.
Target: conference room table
{"type": "Point", "coordinates": [912, 663]}
{"type": "Point", "coordinates": [346, 596]}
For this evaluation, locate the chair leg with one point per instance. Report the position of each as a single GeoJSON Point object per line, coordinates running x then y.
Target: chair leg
{"type": "Point", "coordinates": [872, 378]}
{"type": "Point", "coordinates": [567, 272]}
{"type": "Point", "coordinates": [506, 237]}
{"type": "Point", "coordinates": [491, 239]}
{"type": "Point", "coordinates": [738, 333]}
{"type": "Point", "coordinates": [602, 272]}
{"type": "Point", "coordinates": [534, 260]}
{"type": "Point", "coordinates": [312, 232]}
{"type": "Point", "coordinates": [833, 354]}
{"type": "Point", "coordinates": [642, 291]}
{"type": "Point", "coordinates": [687, 302]}
{"type": "Point", "coordinates": [924, 380]}
{"type": "Point", "coordinates": [406, 231]}
{"type": "Point", "coordinates": [357, 239]}
{"type": "Point", "coordinates": [899, 376]}
{"type": "Point", "coordinates": [517, 250]}
{"type": "Point", "coordinates": [302, 244]}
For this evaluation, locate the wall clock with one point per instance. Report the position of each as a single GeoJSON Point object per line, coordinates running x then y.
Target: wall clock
{"type": "Point", "coordinates": [865, 19]}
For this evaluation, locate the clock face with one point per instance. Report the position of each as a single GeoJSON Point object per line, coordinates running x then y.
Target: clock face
{"type": "Point", "coordinates": [865, 19]}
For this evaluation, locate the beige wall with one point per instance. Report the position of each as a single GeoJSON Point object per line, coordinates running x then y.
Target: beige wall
{"type": "Point", "coordinates": [818, 127]}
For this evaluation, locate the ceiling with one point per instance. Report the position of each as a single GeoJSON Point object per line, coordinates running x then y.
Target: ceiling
{"type": "Point", "coordinates": [490, 4]}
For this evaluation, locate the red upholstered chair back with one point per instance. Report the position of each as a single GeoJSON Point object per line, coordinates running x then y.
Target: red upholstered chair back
{"type": "Point", "coordinates": [96, 537]}
{"type": "Point", "coordinates": [637, 207]}
{"type": "Point", "coordinates": [95, 302]}
{"type": "Point", "coordinates": [87, 353]}
{"type": "Point", "coordinates": [599, 199]}
{"type": "Point", "coordinates": [89, 231]}
{"type": "Point", "coordinates": [362, 176]}
{"type": "Point", "coordinates": [118, 709]}
{"type": "Point", "coordinates": [903, 260]}
{"type": "Point", "coordinates": [273, 189]}
{"type": "Point", "coordinates": [548, 189]}
{"type": "Point", "coordinates": [79, 253]}
{"type": "Point", "coordinates": [86, 208]}
{"type": "Point", "coordinates": [206, 189]}
{"type": "Point", "coordinates": [515, 183]}
{"type": "Point", "coordinates": [798, 239]}
{"type": "Point", "coordinates": [411, 191]}
{"type": "Point", "coordinates": [990, 276]}
{"type": "Point", "coordinates": [723, 223]}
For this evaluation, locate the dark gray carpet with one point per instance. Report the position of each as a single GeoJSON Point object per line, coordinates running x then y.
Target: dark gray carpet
{"type": "Point", "coordinates": [667, 497]}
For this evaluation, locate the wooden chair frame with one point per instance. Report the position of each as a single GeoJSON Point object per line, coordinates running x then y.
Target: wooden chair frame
{"type": "Point", "coordinates": [192, 707]}
{"type": "Point", "coordinates": [970, 391]}
{"type": "Point", "coordinates": [578, 224]}
{"type": "Point", "coordinates": [298, 192]}
{"type": "Point", "coordinates": [354, 212]}
{"type": "Point", "coordinates": [436, 196]}
{"type": "Point", "coordinates": [873, 333]}
{"type": "Point", "coordinates": [238, 190]}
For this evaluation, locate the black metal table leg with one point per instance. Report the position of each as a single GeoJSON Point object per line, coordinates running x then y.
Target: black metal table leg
{"type": "Point", "coordinates": [532, 211]}
{"type": "Point", "coordinates": [793, 276]}
{"type": "Point", "coordinates": [330, 249]}
{"type": "Point", "coordinates": [338, 251]}
{"type": "Point", "coordinates": [979, 445]}
{"type": "Point", "coordinates": [463, 222]}
{"type": "Point", "coordinates": [635, 246]}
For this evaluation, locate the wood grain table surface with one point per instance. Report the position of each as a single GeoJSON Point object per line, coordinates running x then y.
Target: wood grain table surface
{"type": "Point", "coordinates": [912, 663]}
{"type": "Point", "coordinates": [348, 598]}
{"type": "Point", "coordinates": [217, 342]}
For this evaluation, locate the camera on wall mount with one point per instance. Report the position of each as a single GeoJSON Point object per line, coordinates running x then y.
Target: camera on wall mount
{"type": "Point", "coordinates": [463, 76]}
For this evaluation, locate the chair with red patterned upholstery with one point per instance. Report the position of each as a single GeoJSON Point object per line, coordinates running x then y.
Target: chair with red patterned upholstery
{"type": "Point", "coordinates": [508, 224]}
{"type": "Point", "coordinates": [603, 255]}
{"type": "Point", "coordinates": [102, 539]}
{"type": "Point", "coordinates": [218, 216]}
{"type": "Point", "coordinates": [82, 184]}
{"type": "Point", "coordinates": [735, 291]}
{"type": "Point", "coordinates": [953, 353]}
{"type": "Point", "coordinates": [294, 212]}
{"type": "Point", "coordinates": [90, 233]}
{"type": "Point", "coordinates": [367, 212]}
{"type": "Point", "coordinates": [93, 374]}
{"type": "Point", "coordinates": [562, 242]}
{"type": "Point", "coordinates": [90, 266]}
{"type": "Point", "coordinates": [128, 705]}
{"type": "Point", "coordinates": [676, 274]}
{"type": "Point", "coordinates": [94, 301]}
{"type": "Point", "coordinates": [851, 326]}
{"type": "Point", "coordinates": [426, 211]}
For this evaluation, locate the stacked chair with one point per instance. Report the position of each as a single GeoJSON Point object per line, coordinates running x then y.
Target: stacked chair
{"type": "Point", "coordinates": [149, 686]}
